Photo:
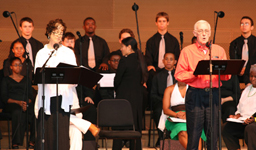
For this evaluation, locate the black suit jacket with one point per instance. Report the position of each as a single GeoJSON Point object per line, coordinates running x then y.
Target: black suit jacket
{"type": "Point", "coordinates": [152, 48]}
{"type": "Point", "coordinates": [235, 52]}
{"type": "Point", "coordinates": [159, 84]}
{"type": "Point", "coordinates": [100, 48]}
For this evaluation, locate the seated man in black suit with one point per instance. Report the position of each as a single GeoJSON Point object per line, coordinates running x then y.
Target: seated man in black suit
{"type": "Point", "coordinates": [160, 81]}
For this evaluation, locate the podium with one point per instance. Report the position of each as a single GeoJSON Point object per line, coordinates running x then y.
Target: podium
{"type": "Point", "coordinates": [64, 74]}
{"type": "Point", "coordinates": [219, 67]}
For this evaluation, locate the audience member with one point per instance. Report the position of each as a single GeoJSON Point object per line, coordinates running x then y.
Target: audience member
{"type": "Point", "coordinates": [174, 106]}
{"type": "Point", "coordinates": [130, 76]}
{"type": "Point", "coordinates": [246, 109]}
{"type": "Point", "coordinates": [160, 81]}
{"type": "Point", "coordinates": [68, 40]}
{"type": "Point", "coordinates": [14, 94]}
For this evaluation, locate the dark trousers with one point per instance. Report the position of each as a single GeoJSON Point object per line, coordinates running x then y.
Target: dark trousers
{"type": "Point", "coordinates": [198, 117]}
{"type": "Point", "coordinates": [227, 108]}
{"type": "Point", "coordinates": [249, 136]}
{"type": "Point", "coordinates": [18, 122]}
{"type": "Point", "coordinates": [50, 126]}
{"type": "Point", "coordinates": [90, 115]}
{"type": "Point", "coordinates": [157, 111]}
{"type": "Point", "coordinates": [231, 133]}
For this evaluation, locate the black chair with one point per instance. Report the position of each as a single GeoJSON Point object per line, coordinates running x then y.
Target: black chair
{"type": "Point", "coordinates": [116, 113]}
{"type": "Point", "coordinates": [6, 117]}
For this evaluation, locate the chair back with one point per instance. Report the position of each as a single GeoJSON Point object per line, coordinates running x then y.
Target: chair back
{"type": "Point", "coordinates": [115, 113]}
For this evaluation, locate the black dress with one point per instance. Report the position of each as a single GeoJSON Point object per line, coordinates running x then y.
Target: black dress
{"type": "Point", "coordinates": [17, 91]}
{"type": "Point", "coordinates": [128, 86]}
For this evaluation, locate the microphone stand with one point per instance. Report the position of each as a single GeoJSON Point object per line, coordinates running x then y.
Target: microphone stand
{"type": "Point", "coordinates": [81, 63]}
{"type": "Point", "coordinates": [27, 98]}
{"type": "Point", "coordinates": [210, 93]}
{"type": "Point", "coordinates": [135, 8]}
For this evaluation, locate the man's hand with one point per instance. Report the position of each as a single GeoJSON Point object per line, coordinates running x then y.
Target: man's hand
{"type": "Point", "coordinates": [242, 71]}
{"type": "Point", "coordinates": [151, 67]}
{"type": "Point", "coordinates": [88, 100]}
{"type": "Point", "coordinates": [23, 105]}
{"type": "Point", "coordinates": [103, 66]}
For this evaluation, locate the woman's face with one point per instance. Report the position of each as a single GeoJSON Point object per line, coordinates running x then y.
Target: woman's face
{"type": "Point", "coordinates": [18, 49]}
{"type": "Point", "coordinates": [126, 50]}
{"type": "Point", "coordinates": [16, 66]}
{"type": "Point", "coordinates": [56, 35]}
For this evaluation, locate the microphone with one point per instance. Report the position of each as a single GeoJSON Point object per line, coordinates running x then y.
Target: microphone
{"type": "Point", "coordinates": [135, 7]}
{"type": "Point", "coordinates": [56, 46]}
{"type": "Point", "coordinates": [7, 14]}
{"type": "Point", "coordinates": [0, 40]}
{"type": "Point", "coordinates": [209, 44]}
{"type": "Point", "coordinates": [220, 14]}
{"type": "Point", "coordinates": [181, 37]}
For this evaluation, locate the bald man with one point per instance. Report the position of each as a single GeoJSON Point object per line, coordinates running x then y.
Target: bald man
{"type": "Point", "coordinates": [197, 96]}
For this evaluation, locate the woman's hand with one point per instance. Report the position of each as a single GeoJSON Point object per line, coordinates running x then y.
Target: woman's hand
{"type": "Point", "coordinates": [88, 100]}
{"type": "Point", "coordinates": [249, 120]}
{"type": "Point", "coordinates": [181, 115]}
{"type": "Point", "coordinates": [23, 105]}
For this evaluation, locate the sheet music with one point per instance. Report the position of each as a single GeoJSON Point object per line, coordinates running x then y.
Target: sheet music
{"type": "Point", "coordinates": [107, 80]}
{"type": "Point", "coordinates": [173, 119]}
{"type": "Point", "coordinates": [238, 120]}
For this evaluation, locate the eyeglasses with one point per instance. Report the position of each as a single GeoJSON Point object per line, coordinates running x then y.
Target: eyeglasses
{"type": "Point", "coordinates": [203, 31]}
{"type": "Point", "coordinates": [16, 65]}
{"type": "Point", "coordinates": [115, 60]}
{"type": "Point", "coordinates": [244, 24]}
{"type": "Point", "coordinates": [58, 33]}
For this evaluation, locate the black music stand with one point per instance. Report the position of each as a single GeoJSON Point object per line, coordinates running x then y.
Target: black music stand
{"type": "Point", "coordinates": [66, 74]}
{"type": "Point", "coordinates": [219, 67]}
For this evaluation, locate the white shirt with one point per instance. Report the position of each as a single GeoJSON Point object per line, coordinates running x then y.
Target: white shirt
{"type": "Point", "coordinates": [247, 104]}
{"type": "Point", "coordinates": [68, 91]}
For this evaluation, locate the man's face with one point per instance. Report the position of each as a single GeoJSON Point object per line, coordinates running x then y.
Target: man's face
{"type": "Point", "coordinates": [169, 61]}
{"type": "Point", "coordinates": [246, 26]}
{"type": "Point", "coordinates": [89, 26]}
{"type": "Point", "coordinates": [26, 28]}
{"type": "Point", "coordinates": [69, 42]}
{"type": "Point", "coordinates": [114, 61]}
{"type": "Point", "coordinates": [202, 33]}
{"type": "Point", "coordinates": [162, 23]}
{"type": "Point", "coordinates": [253, 78]}
{"type": "Point", "coordinates": [123, 36]}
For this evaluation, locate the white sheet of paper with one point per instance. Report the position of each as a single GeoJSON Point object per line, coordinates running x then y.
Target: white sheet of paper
{"type": "Point", "coordinates": [173, 119]}
{"type": "Point", "coordinates": [107, 80]}
{"type": "Point", "coordinates": [238, 120]}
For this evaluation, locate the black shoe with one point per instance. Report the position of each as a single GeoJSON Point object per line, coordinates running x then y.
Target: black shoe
{"type": "Point", "coordinates": [31, 147]}
{"type": "Point", "coordinates": [158, 142]}
{"type": "Point", "coordinates": [15, 147]}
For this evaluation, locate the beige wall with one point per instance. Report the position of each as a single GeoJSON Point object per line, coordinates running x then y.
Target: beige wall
{"type": "Point", "coordinates": [113, 15]}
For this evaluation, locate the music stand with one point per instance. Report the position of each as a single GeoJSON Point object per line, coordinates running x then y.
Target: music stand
{"type": "Point", "coordinates": [219, 67]}
{"type": "Point", "coordinates": [66, 74]}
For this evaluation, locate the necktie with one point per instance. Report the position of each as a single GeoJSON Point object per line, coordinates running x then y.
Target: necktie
{"type": "Point", "coordinates": [169, 79]}
{"type": "Point", "coordinates": [91, 55]}
{"type": "Point", "coordinates": [245, 52]}
{"type": "Point", "coordinates": [29, 51]}
{"type": "Point", "coordinates": [161, 53]}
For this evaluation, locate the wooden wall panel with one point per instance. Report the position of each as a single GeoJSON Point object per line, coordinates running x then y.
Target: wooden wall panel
{"type": "Point", "coordinates": [113, 15]}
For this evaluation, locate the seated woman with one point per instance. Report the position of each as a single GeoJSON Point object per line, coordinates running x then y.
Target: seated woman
{"type": "Point", "coordinates": [174, 98]}
{"type": "Point", "coordinates": [14, 95]}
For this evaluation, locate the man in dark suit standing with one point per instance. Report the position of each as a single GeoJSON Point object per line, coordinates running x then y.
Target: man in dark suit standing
{"type": "Point", "coordinates": [244, 47]}
{"type": "Point", "coordinates": [160, 81]}
{"type": "Point", "coordinates": [31, 45]}
{"type": "Point", "coordinates": [95, 49]}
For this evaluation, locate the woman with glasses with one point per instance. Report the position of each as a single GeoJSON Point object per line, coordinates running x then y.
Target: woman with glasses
{"type": "Point", "coordinates": [14, 95]}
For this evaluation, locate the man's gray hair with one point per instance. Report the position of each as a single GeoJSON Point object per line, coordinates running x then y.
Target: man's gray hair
{"type": "Point", "coordinates": [201, 21]}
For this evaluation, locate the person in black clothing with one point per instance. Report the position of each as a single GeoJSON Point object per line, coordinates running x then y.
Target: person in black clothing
{"type": "Point", "coordinates": [230, 95]}
{"type": "Point", "coordinates": [14, 95]}
{"type": "Point", "coordinates": [99, 46]}
{"type": "Point", "coordinates": [159, 84]}
{"type": "Point", "coordinates": [130, 76]}
{"type": "Point", "coordinates": [236, 47]}
{"type": "Point", "coordinates": [26, 28]}
{"type": "Point", "coordinates": [153, 44]}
